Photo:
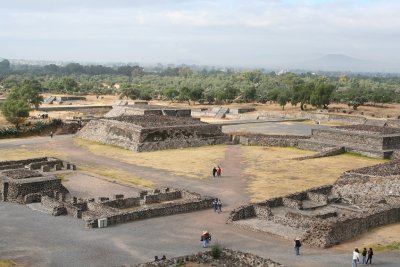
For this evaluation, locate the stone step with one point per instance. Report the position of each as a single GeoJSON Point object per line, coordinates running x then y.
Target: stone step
{"type": "Point", "coordinates": [40, 207]}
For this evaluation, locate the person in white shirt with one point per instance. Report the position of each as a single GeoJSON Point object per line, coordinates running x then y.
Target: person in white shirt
{"type": "Point", "coordinates": [356, 258]}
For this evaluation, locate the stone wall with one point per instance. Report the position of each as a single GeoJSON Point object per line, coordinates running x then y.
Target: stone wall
{"type": "Point", "coordinates": [18, 189]}
{"type": "Point", "coordinates": [123, 203]}
{"type": "Point", "coordinates": [162, 197]}
{"type": "Point", "coordinates": [270, 140]}
{"type": "Point", "coordinates": [164, 209]}
{"type": "Point", "coordinates": [228, 258]}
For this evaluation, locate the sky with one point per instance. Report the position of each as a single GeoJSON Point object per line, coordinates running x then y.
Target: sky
{"type": "Point", "coordinates": [209, 32]}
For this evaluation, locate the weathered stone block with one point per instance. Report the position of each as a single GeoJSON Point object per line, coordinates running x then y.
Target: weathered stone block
{"type": "Point", "coordinates": [45, 168]}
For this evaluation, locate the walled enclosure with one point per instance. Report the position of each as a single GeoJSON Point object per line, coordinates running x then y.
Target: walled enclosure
{"type": "Point", "coordinates": [25, 181]}
{"type": "Point", "coordinates": [358, 201]}
{"type": "Point", "coordinates": [28, 181]}
{"type": "Point", "coordinates": [152, 132]}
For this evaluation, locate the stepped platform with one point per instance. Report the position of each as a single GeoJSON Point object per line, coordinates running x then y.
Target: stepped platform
{"type": "Point", "coordinates": [371, 141]}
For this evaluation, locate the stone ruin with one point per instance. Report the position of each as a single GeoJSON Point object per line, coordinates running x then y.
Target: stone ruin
{"type": "Point", "coordinates": [368, 140]}
{"type": "Point", "coordinates": [357, 202]}
{"type": "Point", "coordinates": [62, 99]}
{"type": "Point", "coordinates": [228, 257]}
{"type": "Point", "coordinates": [33, 181]}
{"type": "Point", "coordinates": [125, 108]}
{"type": "Point", "coordinates": [104, 212]}
{"type": "Point", "coordinates": [153, 132]}
{"type": "Point", "coordinates": [27, 181]}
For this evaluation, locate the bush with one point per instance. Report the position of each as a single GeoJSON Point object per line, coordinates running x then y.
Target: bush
{"type": "Point", "coordinates": [216, 250]}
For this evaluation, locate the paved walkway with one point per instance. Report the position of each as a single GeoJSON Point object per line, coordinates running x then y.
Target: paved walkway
{"type": "Point", "coordinates": [36, 239]}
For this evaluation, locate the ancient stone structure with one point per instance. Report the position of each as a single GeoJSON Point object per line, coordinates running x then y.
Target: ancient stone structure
{"type": "Point", "coordinates": [104, 212]}
{"type": "Point", "coordinates": [228, 258]}
{"type": "Point", "coordinates": [62, 99]}
{"type": "Point", "coordinates": [142, 108]}
{"type": "Point", "coordinates": [153, 132]}
{"type": "Point", "coordinates": [269, 140]}
{"type": "Point", "coordinates": [26, 181]}
{"type": "Point", "coordinates": [359, 200]}
{"type": "Point", "coordinates": [368, 140]}
{"type": "Point", "coordinates": [220, 112]}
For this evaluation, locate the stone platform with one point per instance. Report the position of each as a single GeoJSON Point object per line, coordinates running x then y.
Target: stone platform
{"type": "Point", "coordinates": [371, 141]}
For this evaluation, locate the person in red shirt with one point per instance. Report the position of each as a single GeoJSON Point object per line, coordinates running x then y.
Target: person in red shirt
{"type": "Point", "coordinates": [219, 171]}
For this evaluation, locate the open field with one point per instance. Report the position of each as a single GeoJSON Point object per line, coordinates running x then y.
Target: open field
{"type": "Point", "coordinates": [189, 162]}
{"type": "Point", "coordinates": [8, 263]}
{"type": "Point", "coordinates": [272, 172]}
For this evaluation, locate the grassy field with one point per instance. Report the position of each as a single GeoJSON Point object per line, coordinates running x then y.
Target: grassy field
{"type": "Point", "coordinates": [189, 162]}
{"type": "Point", "coordinates": [114, 175]}
{"type": "Point", "coordinates": [22, 153]}
{"type": "Point", "coordinates": [272, 171]}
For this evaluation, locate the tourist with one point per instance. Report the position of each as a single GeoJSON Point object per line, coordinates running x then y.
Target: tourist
{"type": "Point", "coordinates": [214, 171]}
{"type": "Point", "coordinates": [214, 204]}
{"type": "Point", "coordinates": [219, 205]}
{"type": "Point", "coordinates": [297, 245]}
{"type": "Point", "coordinates": [370, 253]}
{"type": "Point", "coordinates": [205, 238]}
{"type": "Point", "coordinates": [156, 258]}
{"type": "Point", "coordinates": [51, 134]}
{"type": "Point", "coordinates": [356, 258]}
{"type": "Point", "coordinates": [219, 171]}
{"type": "Point", "coordinates": [163, 258]}
{"type": "Point", "coordinates": [364, 255]}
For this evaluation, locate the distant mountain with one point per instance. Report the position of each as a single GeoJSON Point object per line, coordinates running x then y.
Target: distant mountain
{"type": "Point", "coordinates": [339, 62]}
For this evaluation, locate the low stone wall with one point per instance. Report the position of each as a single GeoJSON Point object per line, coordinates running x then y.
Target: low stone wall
{"type": "Point", "coordinates": [154, 211]}
{"type": "Point", "coordinates": [242, 213]}
{"type": "Point", "coordinates": [21, 162]}
{"type": "Point", "coordinates": [329, 152]}
{"type": "Point", "coordinates": [123, 203]}
{"type": "Point", "coordinates": [162, 197]}
{"type": "Point", "coordinates": [49, 162]}
{"type": "Point", "coordinates": [227, 258]}
{"type": "Point", "coordinates": [271, 140]}
{"type": "Point", "coordinates": [56, 207]}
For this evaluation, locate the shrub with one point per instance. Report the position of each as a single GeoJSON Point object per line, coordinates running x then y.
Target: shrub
{"type": "Point", "coordinates": [216, 250]}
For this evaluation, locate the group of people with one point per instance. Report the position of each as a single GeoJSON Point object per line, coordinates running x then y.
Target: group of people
{"type": "Point", "coordinates": [365, 253]}
{"type": "Point", "coordinates": [158, 259]}
{"type": "Point", "coordinates": [217, 171]}
{"type": "Point", "coordinates": [217, 205]}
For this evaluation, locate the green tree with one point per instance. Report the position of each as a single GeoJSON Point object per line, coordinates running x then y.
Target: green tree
{"type": "Point", "coordinates": [321, 95]}
{"type": "Point", "coordinates": [15, 110]}
{"type": "Point", "coordinates": [29, 91]}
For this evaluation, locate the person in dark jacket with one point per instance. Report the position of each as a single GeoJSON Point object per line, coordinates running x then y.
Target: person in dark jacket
{"type": "Point", "coordinates": [370, 253]}
{"type": "Point", "coordinates": [364, 255]}
{"type": "Point", "coordinates": [214, 171]}
{"type": "Point", "coordinates": [297, 245]}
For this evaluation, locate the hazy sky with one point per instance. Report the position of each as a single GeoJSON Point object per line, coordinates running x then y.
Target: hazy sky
{"type": "Point", "coordinates": [247, 33]}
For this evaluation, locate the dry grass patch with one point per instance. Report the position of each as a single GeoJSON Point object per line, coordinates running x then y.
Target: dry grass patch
{"type": "Point", "coordinates": [114, 175]}
{"type": "Point", "coordinates": [8, 263]}
{"type": "Point", "coordinates": [189, 162]}
{"type": "Point", "coordinates": [273, 173]}
{"type": "Point", "coordinates": [22, 153]}
{"type": "Point", "coordinates": [379, 239]}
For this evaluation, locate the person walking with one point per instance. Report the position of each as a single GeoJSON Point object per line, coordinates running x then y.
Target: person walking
{"type": "Point", "coordinates": [297, 245]}
{"type": "Point", "coordinates": [51, 134]}
{"type": "Point", "coordinates": [219, 205]}
{"type": "Point", "coordinates": [364, 255]}
{"type": "Point", "coordinates": [214, 171]}
{"type": "Point", "coordinates": [215, 204]}
{"type": "Point", "coordinates": [356, 258]}
{"type": "Point", "coordinates": [219, 171]}
{"type": "Point", "coordinates": [370, 253]}
{"type": "Point", "coordinates": [205, 238]}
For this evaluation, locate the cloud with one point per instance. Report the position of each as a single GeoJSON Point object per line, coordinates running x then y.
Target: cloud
{"type": "Point", "coordinates": [204, 29]}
